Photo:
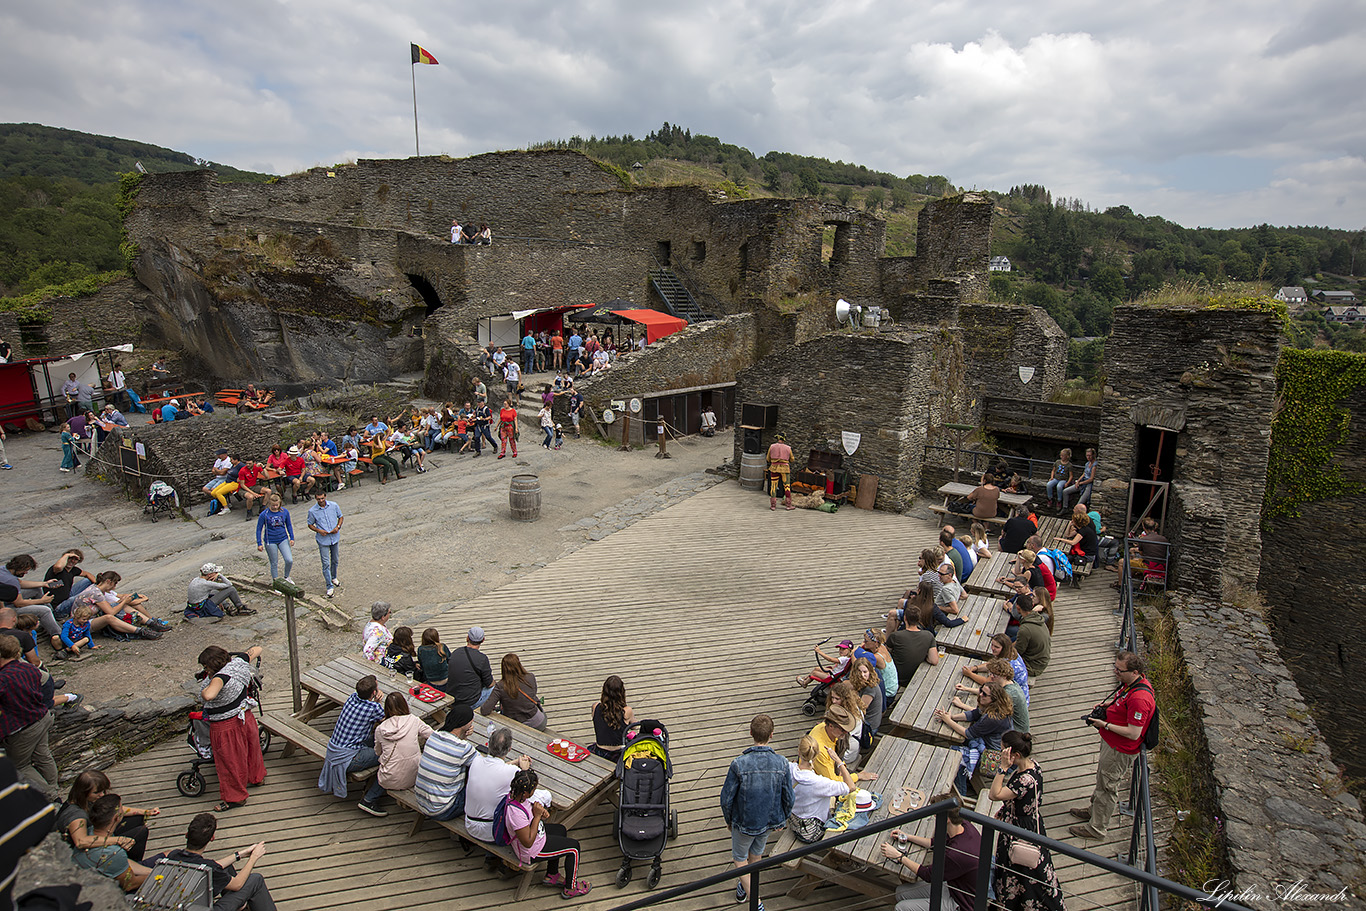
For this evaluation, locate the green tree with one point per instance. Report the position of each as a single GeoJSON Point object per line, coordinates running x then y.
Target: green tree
{"type": "Point", "coordinates": [810, 183]}
{"type": "Point", "coordinates": [1108, 282]}
{"type": "Point", "coordinates": [844, 194]}
{"type": "Point", "coordinates": [872, 199]}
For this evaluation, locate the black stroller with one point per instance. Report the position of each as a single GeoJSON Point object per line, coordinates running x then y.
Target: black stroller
{"type": "Point", "coordinates": [815, 700]}
{"type": "Point", "coordinates": [644, 820]}
{"type": "Point", "coordinates": [191, 783]}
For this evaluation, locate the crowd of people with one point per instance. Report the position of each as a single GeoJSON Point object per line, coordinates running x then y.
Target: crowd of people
{"type": "Point", "coordinates": [989, 713]}
{"type": "Point", "coordinates": [579, 353]}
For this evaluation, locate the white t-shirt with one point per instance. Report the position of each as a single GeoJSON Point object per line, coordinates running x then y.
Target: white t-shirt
{"type": "Point", "coordinates": [488, 782]}
{"type": "Point", "coordinates": [116, 379]}
{"type": "Point", "coordinates": [812, 792]}
{"type": "Point", "coordinates": [222, 465]}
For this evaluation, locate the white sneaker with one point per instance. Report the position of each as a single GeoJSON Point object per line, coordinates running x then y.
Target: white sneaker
{"type": "Point", "coordinates": [289, 580]}
{"type": "Point", "coordinates": [329, 593]}
{"type": "Point", "coordinates": [63, 469]}
{"type": "Point", "coordinates": [336, 582]}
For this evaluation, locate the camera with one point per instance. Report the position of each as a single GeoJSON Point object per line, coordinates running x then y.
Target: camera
{"type": "Point", "coordinates": [1096, 714]}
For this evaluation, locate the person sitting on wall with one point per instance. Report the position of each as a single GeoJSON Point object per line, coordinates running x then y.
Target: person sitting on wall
{"type": "Point", "coordinates": [221, 484]}
{"type": "Point", "coordinates": [484, 237]}
{"type": "Point", "coordinates": [708, 422]}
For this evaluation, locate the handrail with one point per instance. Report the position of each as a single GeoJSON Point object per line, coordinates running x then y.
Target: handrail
{"type": "Point", "coordinates": [988, 458]}
{"type": "Point", "coordinates": [1149, 880]}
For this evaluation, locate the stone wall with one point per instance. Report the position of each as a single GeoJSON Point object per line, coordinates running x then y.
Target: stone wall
{"type": "Point", "coordinates": [96, 738]}
{"type": "Point", "coordinates": [998, 339]}
{"type": "Point", "coordinates": [111, 316]}
{"type": "Point", "coordinates": [1209, 373]}
{"type": "Point", "coordinates": [181, 453]}
{"type": "Point", "coordinates": [1311, 577]}
{"type": "Point", "coordinates": [1287, 816]}
{"type": "Point", "coordinates": [953, 243]}
{"type": "Point", "coordinates": [700, 355]}
{"type": "Point", "coordinates": [865, 382]}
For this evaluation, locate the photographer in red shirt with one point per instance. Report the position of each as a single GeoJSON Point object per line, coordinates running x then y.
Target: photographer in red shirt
{"type": "Point", "coordinates": [1122, 720]}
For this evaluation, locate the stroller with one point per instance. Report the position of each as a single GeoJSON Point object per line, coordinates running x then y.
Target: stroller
{"type": "Point", "coordinates": [161, 497]}
{"type": "Point", "coordinates": [644, 820]}
{"type": "Point", "coordinates": [191, 783]}
{"type": "Point", "coordinates": [815, 700]}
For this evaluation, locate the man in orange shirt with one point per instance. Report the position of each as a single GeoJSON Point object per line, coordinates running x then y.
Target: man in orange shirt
{"type": "Point", "coordinates": [557, 344]}
{"type": "Point", "coordinates": [779, 472]}
{"type": "Point", "coordinates": [507, 428]}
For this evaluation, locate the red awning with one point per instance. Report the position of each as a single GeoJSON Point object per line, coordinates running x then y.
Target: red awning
{"type": "Point", "coordinates": [657, 325]}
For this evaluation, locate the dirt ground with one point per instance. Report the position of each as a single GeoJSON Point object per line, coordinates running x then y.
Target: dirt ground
{"type": "Point", "coordinates": [423, 544]}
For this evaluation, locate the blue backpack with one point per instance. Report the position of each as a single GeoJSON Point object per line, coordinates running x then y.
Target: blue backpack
{"type": "Point", "coordinates": [501, 835]}
{"type": "Point", "coordinates": [1062, 564]}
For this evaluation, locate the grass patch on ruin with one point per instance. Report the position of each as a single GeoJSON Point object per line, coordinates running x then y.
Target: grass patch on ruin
{"type": "Point", "coordinates": [1196, 851]}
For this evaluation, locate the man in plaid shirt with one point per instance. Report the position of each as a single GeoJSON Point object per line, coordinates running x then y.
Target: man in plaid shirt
{"type": "Point", "coordinates": [25, 721]}
{"type": "Point", "coordinates": [352, 747]}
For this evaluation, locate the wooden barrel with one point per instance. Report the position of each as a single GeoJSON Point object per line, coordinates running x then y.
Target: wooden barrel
{"type": "Point", "coordinates": [524, 496]}
{"type": "Point", "coordinates": [752, 465]}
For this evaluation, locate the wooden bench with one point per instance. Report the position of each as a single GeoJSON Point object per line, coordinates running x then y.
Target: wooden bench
{"type": "Point", "coordinates": [945, 511]}
{"type": "Point", "coordinates": [408, 798]}
{"type": "Point", "coordinates": [356, 475]}
{"type": "Point", "coordinates": [299, 735]}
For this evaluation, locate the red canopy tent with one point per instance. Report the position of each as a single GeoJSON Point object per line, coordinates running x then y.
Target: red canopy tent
{"type": "Point", "coordinates": [657, 325]}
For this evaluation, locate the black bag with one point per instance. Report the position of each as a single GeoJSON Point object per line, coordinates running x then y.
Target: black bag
{"type": "Point", "coordinates": [1151, 732]}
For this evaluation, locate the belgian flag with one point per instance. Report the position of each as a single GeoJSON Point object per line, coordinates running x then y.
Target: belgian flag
{"type": "Point", "coordinates": [420, 55]}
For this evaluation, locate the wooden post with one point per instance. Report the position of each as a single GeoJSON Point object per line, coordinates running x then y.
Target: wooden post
{"type": "Point", "coordinates": [290, 591]}
{"type": "Point", "coordinates": [959, 430]}
{"type": "Point", "coordinates": [663, 442]}
{"type": "Point", "coordinates": [625, 432]}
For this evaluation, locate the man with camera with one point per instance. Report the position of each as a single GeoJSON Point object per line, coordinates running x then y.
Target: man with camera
{"type": "Point", "coordinates": [1122, 720]}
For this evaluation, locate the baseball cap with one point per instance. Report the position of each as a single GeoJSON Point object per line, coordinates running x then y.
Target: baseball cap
{"type": "Point", "coordinates": [210, 568]}
{"type": "Point", "coordinates": [475, 635]}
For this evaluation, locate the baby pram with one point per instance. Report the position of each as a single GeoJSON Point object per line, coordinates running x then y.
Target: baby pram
{"type": "Point", "coordinates": [161, 497]}
{"type": "Point", "coordinates": [815, 700]}
{"type": "Point", "coordinates": [191, 783]}
{"type": "Point", "coordinates": [644, 820]}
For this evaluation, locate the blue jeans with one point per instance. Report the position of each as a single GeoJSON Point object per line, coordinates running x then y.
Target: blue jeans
{"type": "Point", "coordinates": [275, 552]}
{"type": "Point", "coordinates": [1055, 489]}
{"type": "Point", "coordinates": [483, 695]}
{"type": "Point", "coordinates": [331, 556]}
{"type": "Point", "coordinates": [528, 360]}
{"type": "Point", "coordinates": [78, 585]}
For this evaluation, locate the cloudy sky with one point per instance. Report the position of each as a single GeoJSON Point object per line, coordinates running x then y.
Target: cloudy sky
{"type": "Point", "coordinates": [1207, 113]}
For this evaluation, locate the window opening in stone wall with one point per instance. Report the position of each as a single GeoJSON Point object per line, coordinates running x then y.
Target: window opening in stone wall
{"type": "Point", "coordinates": [33, 338]}
{"type": "Point", "coordinates": [1154, 450]}
{"type": "Point", "coordinates": [429, 296]}
{"type": "Point", "coordinates": [834, 243]}
{"type": "Point", "coordinates": [744, 257]}
{"type": "Point", "coordinates": [699, 251]}
{"type": "Point", "coordinates": [662, 252]}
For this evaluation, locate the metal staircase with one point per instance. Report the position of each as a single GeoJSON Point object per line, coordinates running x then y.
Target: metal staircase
{"type": "Point", "coordinates": [675, 296]}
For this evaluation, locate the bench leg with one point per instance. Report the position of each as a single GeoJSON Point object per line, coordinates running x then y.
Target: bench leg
{"type": "Point", "coordinates": [524, 884]}
{"type": "Point", "coordinates": [417, 823]}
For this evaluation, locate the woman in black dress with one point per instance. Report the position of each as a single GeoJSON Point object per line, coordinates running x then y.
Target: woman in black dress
{"type": "Point", "coordinates": [1025, 881]}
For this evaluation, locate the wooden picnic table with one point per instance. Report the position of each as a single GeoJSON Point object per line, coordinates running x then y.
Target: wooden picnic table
{"type": "Point", "coordinates": [333, 683]}
{"type": "Point", "coordinates": [985, 619]}
{"type": "Point", "coordinates": [914, 711]}
{"type": "Point", "coordinates": [576, 788]}
{"type": "Point", "coordinates": [899, 764]}
{"type": "Point", "coordinates": [955, 490]}
{"type": "Point", "coordinates": [983, 578]}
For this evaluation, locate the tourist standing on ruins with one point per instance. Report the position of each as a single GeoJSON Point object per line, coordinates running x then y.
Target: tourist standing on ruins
{"type": "Point", "coordinates": [779, 472]}
{"type": "Point", "coordinates": [512, 375]}
{"type": "Point", "coordinates": [1126, 716]}
{"type": "Point", "coordinates": [507, 428]}
{"type": "Point", "coordinates": [456, 233]}
{"type": "Point", "coordinates": [325, 521]}
{"type": "Point", "coordinates": [557, 346]}
{"type": "Point", "coordinates": [118, 384]}
{"type": "Point", "coordinates": [528, 353]}
{"type": "Point", "coordinates": [483, 416]}
{"type": "Point", "coordinates": [756, 799]}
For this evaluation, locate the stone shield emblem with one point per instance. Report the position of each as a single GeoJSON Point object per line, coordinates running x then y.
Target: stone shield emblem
{"type": "Point", "coordinates": [1026, 374]}
{"type": "Point", "coordinates": [850, 441]}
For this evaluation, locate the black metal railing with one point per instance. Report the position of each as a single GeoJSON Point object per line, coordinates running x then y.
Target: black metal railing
{"type": "Point", "coordinates": [1148, 881]}
{"type": "Point", "coordinates": [979, 460]}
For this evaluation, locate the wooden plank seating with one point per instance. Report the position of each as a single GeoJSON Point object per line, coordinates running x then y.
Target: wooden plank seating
{"type": "Point", "coordinates": [331, 684]}
{"type": "Point", "coordinates": [945, 511]}
{"type": "Point", "coordinates": [297, 733]}
{"type": "Point", "coordinates": [983, 578]}
{"type": "Point", "coordinates": [408, 798]}
{"type": "Point", "coordinates": [985, 619]}
{"type": "Point", "coordinates": [956, 491]}
{"type": "Point", "coordinates": [931, 688]}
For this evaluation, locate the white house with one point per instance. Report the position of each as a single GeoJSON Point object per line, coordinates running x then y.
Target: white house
{"type": "Point", "coordinates": [1344, 314]}
{"type": "Point", "coordinates": [999, 264]}
{"type": "Point", "coordinates": [1292, 295]}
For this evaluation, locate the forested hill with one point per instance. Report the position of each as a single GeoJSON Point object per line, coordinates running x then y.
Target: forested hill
{"type": "Point", "coordinates": [34, 150]}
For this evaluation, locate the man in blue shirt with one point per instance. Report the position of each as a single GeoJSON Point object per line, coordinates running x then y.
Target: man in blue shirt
{"type": "Point", "coordinates": [170, 411]}
{"type": "Point", "coordinates": [572, 356]}
{"type": "Point", "coordinates": [325, 521]}
{"type": "Point", "coordinates": [756, 799]}
{"type": "Point", "coordinates": [352, 745]}
{"type": "Point", "coordinates": [528, 352]}
{"type": "Point", "coordinates": [376, 426]}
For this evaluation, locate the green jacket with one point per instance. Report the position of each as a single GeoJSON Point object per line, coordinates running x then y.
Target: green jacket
{"type": "Point", "coordinates": [1033, 643]}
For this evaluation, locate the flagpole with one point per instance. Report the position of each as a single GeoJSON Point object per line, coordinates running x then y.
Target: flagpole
{"type": "Point", "coordinates": [412, 68]}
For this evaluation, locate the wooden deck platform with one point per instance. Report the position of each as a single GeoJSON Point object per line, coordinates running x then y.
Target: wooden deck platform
{"type": "Point", "coordinates": [707, 610]}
